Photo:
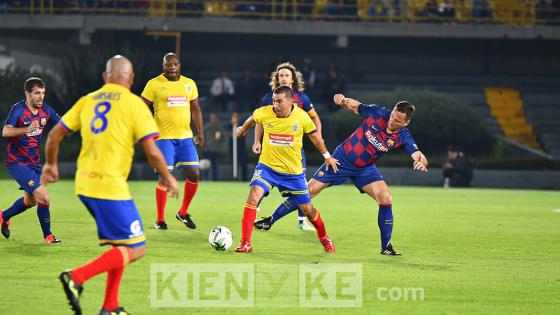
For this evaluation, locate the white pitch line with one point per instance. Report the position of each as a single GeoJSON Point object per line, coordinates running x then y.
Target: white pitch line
{"type": "Point", "coordinates": [556, 210]}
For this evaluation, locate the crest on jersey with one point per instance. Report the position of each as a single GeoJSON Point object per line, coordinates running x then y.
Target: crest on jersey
{"type": "Point", "coordinates": [31, 183]}
{"type": "Point", "coordinates": [188, 87]}
{"type": "Point", "coordinates": [43, 121]}
{"type": "Point", "coordinates": [320, 174]}
{"type": "Point", "coordinates": [295, 126]}
{"type": "Point", "coordinates": [269, 125]}
{"type": "Point", "coordinates": [390, 143]}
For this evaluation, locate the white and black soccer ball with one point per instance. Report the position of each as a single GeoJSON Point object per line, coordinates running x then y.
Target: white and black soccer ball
{"type": "Point", "coordinates": [220, 238]}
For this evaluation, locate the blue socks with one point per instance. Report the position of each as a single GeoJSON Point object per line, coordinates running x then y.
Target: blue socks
{"type": "Point", "coordinates": [301, 215]}
{"type": "Point", "coordinates": [17, 208]}
{"type": "Point", "coordinates": [385, 222]}
{"type": "Point", "coordinates": [286, 207]}
{"type": "Point", "coordinates": [44, 216]}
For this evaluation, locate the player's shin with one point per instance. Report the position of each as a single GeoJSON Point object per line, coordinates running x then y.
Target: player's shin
{"type": "Point", "coordinates": [18, 207]}
{"type": "Point", "coordinates": [249, 215]}
{"type": "Point", "coordinates": [315, 219]}
{"type": "Point", "coordinates": [44, 216]}
{"type": "Point", "coordinates": [114, 277]}
{"type": "Point", "coordinates": [189, 192]}
{"type": "Point", "coordinates": [283, 209]}
{"type": "Point", "coordinates": [385, 222]}
{"type": "Point", "coordinates": [116, 257]}
{"type": "Point", "coordinates": [161, 200]}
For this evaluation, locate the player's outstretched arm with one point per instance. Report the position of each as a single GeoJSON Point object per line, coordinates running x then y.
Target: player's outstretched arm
{"type": "Point", "coordinates": [348, 103]}
{"type": "Point", "coordinates": [420, 163]}
{"type": "Point", "coordinates": [242, 130]}
{"type": "Point", "coordinates": [196, 113]}
{"type": "Point", "coordinates": [257, 146]}
{"type": "Point", "coordinates": [319, 143]}
{"type": "Point", "coordinates": [10, 131]}
{"type": "Point", "coordinates": [50, 169]}
{"type": "Point", "coordinates": [156, 160]}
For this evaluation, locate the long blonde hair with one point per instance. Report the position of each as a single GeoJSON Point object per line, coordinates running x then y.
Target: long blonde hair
{"type": "Point", "coordinates": [296, 76]}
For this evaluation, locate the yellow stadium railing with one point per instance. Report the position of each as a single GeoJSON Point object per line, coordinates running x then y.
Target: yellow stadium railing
{"type": "Point", "coordinates": [512, 12]}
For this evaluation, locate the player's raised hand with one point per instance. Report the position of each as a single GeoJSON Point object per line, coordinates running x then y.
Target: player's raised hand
{"type": "Point", "coordinates": [332, 162]}
{"type": "Point", "coordinates": [257, 148]}
{"type": "Point", "coordinates": [172, 187]}
{"type": "Point", "coordinates": [50, 174]}
{"type": "Point", "coordinates": [33, 126]}
{"type": "Point", "coordinates": [339, 99]}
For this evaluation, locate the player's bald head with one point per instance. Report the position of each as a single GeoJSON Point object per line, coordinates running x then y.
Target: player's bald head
{"type": "Point", "coordinates": [168, 56]}
{"type": "Point", "coordinates": [119, 70]}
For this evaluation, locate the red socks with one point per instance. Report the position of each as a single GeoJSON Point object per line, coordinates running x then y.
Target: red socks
{"type": "Point", "coordinates": [318, 224]}
{"type": "Point", "coordinates": [190, 191]}
{"type": "Point", "coordinates": [161, 200]}
{"type": "Point", "coordinates": [249, 215]}
{"type": "Point", "coordinates": [114, 277]}
{"type": "Point", "coordinates": [116, 257]}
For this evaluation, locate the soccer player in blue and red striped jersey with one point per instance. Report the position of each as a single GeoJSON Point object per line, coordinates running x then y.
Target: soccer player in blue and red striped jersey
{"type": "Point", "coordinates": [381, 131]}
{"type": "Point", "coordinates": [24, 127]}
{"type": "Point", "coordinates": [286, 74]}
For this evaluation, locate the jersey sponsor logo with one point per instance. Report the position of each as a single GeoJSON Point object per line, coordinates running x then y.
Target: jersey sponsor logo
{"type": "Point", "coordinates": [26, 121]}
{"type": "Point", "coordinates": [135, 229]}
{"type": "Point", "coordinates": [281, 140]}
{"type": "Point", "coordinates": [35, 132]}
{"type": "Point", "coordinates": [176, 101]}
{"type": "Point", "coordinates": [375, 142]}
{"type": "Point", "coordinates": [374, 128]}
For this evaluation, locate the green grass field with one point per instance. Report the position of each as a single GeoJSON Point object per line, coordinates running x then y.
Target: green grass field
{"type": "Point", "coordinates": [475, 251]}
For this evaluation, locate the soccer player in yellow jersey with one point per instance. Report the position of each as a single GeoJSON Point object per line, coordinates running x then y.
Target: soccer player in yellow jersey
{"type": "Point", "coordinates": [280, 162]}
{"type": "Point", "coordinates": [174, 99]}
{"type": "Point", "coordinates": [110, 121]}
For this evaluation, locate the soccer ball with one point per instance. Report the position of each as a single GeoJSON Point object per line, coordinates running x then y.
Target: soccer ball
{"type": "Point", "coordinates": [220, 238]}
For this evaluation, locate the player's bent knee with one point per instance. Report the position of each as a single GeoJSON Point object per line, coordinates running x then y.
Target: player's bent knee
{"type": "Point", "coordinates": [385, 198]}
{"type": "Point", "coordinates": [137, 252]}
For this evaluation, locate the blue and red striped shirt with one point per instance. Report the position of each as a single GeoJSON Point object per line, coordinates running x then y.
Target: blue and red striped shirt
{"type": "Point", "coordinates": [370, 140]}
{"type": "Point", "coordinates": [25, 149]}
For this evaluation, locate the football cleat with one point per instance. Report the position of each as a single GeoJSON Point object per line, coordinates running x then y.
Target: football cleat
{"type": "Point", "coordinates": [51, 239]}
{"type": "Point", "coordinates": [390, 251]}
{"type": "Point", "coordinates": [5, 226]}
{"type": "Point", "coordinates": [160, 225]}
{"type": "Point", "coordinates": [327, 244]}
{"type": "Point", "coordinates": [118, 311]}
{"type": "Point", "coordinates": [263, 223]}
{"type": "Point", "coordinates": [244, 247]}
{"type": "Point", "coordinates": [73, 291]}
{"type": "Point", "coordinates": [186, 219]}
{"type": "Point", "coordinates": [305, 226]}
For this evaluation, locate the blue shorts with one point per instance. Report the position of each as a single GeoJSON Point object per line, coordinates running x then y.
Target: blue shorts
{"type": "Point", "coordinates": [118, 221]}
{"type": "Point", "coordinates": [28, 177]}
{"type": "Point", "coordinates": [178, 153]}
{"type": "Point", "coordinates": [360, 176]}
{"type": "Point", "coordinates": [289, 185]}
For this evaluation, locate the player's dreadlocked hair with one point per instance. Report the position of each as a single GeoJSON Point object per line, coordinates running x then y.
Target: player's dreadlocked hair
{"type": "Point", "coordinates": [406, 107]}
{"type": "Point", "coordinates": [296, 76]}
